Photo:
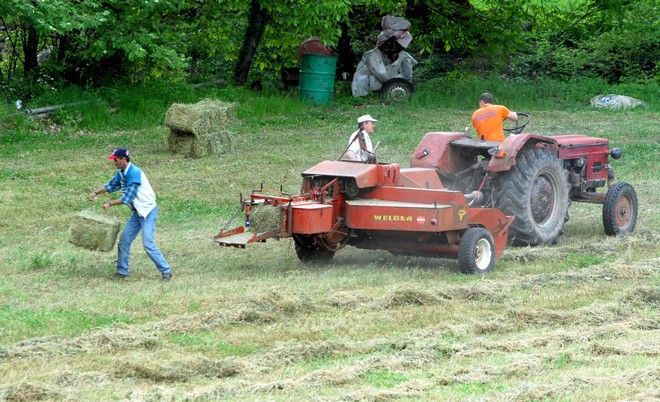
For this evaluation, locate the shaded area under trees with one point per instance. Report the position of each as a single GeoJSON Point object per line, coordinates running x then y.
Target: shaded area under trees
{"type": "Point", "coordinates": [96, 42]}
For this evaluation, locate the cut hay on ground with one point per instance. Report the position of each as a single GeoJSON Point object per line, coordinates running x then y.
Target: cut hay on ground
{"type": "Point", "coordinates": [26, 391]}
{"type": "Point", "coordinates": [93, 231]}
{"type": "Point", "coordinates": [200, 129]}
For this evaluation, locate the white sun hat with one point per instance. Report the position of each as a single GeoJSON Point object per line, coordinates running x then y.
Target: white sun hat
{"type": "Point", "coordinates": [365, 118]}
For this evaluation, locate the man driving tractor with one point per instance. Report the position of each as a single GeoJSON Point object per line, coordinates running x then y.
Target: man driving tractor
{"type": "Point", "coordinates": [488, 120]}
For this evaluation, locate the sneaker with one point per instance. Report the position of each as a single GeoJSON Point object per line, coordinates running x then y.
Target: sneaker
{"type": "Point", "coordinates": [119, 277]}
{"type": "Point", "coordinates": [167, 277]}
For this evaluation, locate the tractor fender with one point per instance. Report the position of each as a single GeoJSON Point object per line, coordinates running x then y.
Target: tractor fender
{"type": "Point", "coordinates": [435, 152]}
{"type": "Point", "coordinates": [507, 152]}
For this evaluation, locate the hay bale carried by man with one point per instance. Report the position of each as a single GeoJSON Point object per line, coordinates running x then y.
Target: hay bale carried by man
{"type": "Point", "coordinates": [93, 231]}
{"type": "Point", "coordinates": [200, 129]}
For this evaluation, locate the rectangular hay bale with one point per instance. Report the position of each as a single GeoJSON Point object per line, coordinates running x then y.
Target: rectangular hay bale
{"type": "Point", "coordinates": [93, 231]}
{"type": "Point", "coordinates": [200, 129]}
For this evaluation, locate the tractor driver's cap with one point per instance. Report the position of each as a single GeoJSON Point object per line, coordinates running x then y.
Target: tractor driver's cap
{"type": "Point", "coordinates": [118, 153]}
{"type": "Point", "coordinates": [365, 118]}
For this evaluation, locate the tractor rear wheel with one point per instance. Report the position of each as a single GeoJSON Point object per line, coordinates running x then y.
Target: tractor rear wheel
{"type": "Point", "coordinates": [620, 209]}
{"type": "Point", "coordinates": [309, 251]}
{"type": "Point", "coordinates": [535, 191]}
{"type": "Point", "coordinates": [476, 251]}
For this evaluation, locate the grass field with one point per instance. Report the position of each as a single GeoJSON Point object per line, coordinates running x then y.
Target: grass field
{"type": "Point", "coordinates": [576, 321]}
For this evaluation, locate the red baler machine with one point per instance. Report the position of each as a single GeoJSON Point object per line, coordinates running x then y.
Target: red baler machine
{"type": "Point", "coordinates": [378, 206]}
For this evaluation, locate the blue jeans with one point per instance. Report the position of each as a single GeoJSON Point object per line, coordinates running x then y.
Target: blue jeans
{"type": "Point", "coordinates": [148, 226]}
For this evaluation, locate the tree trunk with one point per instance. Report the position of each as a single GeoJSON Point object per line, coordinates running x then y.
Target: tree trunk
{"type": "Point", "coordinates": [418, 11]}
{"type": "Point", "coordinates": [347, 59]}
{"type": "Point", "coordinates": [257, 21]}
{"type": "Point", "coordinates": [30, 49]}
{"type": "Point", "coordinates": [62, 44]}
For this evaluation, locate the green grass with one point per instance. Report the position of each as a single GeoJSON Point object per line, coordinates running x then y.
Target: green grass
{"type": "Point", "coordinates": [573, 321]}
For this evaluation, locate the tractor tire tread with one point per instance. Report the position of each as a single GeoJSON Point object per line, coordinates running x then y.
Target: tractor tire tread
{"type": "Point", "coordinates": [514, 199]}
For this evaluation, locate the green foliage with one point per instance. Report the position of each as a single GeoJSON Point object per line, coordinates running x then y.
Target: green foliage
{"type": "Point", "coordinates": [616, 40]}
{"type": "Point", "coordinates": [97, 42]}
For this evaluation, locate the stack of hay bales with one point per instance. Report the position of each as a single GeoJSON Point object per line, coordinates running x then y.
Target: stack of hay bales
{"type": "Point", "coordinates": [200, 129]}
{"type": "Point", "coordinates": [93, 231]}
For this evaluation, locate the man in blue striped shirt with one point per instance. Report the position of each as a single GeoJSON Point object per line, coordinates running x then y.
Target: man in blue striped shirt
{"type": "Point", "coordinates": [138, 195]}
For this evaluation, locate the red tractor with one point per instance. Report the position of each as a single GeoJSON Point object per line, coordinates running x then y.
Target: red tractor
{"type": "Point", "coordinates": [377, 206]}
{"type": "Point", "coordinates": [534, 178]}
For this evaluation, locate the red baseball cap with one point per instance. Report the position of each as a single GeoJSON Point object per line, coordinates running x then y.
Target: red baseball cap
{"type": "Point", "coordinates": [118, 153]}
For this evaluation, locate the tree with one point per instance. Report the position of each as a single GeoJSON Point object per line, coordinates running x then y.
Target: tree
{"type": "Point", "coordinates": [257, 20]}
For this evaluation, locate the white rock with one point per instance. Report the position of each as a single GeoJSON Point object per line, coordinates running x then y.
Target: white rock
{"type": "Point", "coordinates": [612, 101]}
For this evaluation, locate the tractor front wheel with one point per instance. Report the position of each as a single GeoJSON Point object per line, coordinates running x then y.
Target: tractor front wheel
{"type": "Point", "coordinates": [476, 251]}
{"type": "Point", "coordinates": [310, 251]}
{"type": "Point", "coordinates": [535, 191]}
{"type": "Point", "coordinates": [620, 209]}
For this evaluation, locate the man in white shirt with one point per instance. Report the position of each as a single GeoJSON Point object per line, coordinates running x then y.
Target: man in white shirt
{"type": "Point", "coordinates": [138, 195]}
{"type": "Point", "coordinates": [359, 143]}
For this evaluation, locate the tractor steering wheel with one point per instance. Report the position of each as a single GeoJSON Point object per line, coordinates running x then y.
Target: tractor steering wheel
{"type": "Point", "coordinates": [520, 125]}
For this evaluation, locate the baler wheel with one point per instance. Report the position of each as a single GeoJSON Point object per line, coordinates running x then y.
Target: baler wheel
{"type": "Point", "coordinates": [309, 251]}
{"type": "Point", "coordinates": [620, 209]}
{"type": "Point", "coordinates": [535, 191]}
{"type": "Point", "coordinates": [476, 252]}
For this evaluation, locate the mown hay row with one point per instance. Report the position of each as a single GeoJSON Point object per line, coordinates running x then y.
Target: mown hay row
{"type": "Point", "coordinates": [179, 370]}
{"type": "Point", "coordinates": [26, 391]}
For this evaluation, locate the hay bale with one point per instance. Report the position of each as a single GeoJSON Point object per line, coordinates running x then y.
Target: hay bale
{"type": "Point", "coordinates": [200, 129]}
{"type": "Point", "coordinates": [93, 231]}
{"type": "Point", "coordinates": [265, 219]}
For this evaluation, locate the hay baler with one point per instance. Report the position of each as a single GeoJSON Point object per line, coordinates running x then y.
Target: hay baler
{"type": "Point", "coordinates": [375, 206]}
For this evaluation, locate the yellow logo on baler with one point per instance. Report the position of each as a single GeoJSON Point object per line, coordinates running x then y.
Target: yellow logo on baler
{"type": "Point", "coordinates": [461, 214]}
{"type": "Point", "coordinates": [395, 218]}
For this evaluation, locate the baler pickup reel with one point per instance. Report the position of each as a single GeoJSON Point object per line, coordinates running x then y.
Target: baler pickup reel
{"type": "Point", "coordinates": [277, 216]}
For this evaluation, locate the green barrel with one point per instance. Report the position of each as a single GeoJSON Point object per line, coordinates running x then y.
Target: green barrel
{"type": "Point", "coordinates": [317, 78]}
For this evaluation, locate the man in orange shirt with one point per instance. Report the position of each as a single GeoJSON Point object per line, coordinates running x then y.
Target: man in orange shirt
{"type": "Point", "coordinates": [489, 119]}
